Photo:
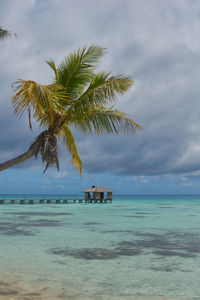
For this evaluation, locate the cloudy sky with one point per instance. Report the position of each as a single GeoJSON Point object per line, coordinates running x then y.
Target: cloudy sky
{"type": "Point", "coordinates": [157, 43]}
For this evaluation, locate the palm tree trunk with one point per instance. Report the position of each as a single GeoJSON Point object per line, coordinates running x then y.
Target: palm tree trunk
{"type": "Point", "coordinates": [45, 144]}
{"type": "Point", "coordinates": [17, 160]}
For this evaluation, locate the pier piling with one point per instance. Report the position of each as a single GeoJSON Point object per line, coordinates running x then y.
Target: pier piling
{"type": "Point", "coordinates": [53, 201]}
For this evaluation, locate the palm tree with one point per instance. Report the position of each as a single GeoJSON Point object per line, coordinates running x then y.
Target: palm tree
{"type": "Point", "coordinates": [79, 98]}
{"type": "Point", "coordinates": [5, 33]}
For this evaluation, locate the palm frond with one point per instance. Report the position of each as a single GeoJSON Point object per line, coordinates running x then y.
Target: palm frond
{"type": "Point", "coordinates": [5, 33]}
{"type": "Point", "coordinates": [61, 95]}
{"type": "Point", "coordinates": [41, 99]}
{"type": "Point", "coordinates": [103, 88]}
{"type": "Point", "coordinates": [51, 63]}
{"type": "Point", "coordinates": [71, 146]}
{"type": "Point", "coordinates": [106, 120]}
{"type": "Point", "coordinates": [77, 69]}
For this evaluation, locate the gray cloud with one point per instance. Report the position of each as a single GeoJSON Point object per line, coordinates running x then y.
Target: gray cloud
{"type": "Point", "coordinates": [155, 42]}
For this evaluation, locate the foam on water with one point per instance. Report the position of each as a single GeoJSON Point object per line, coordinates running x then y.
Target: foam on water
{"type": "Point", "coordinates": [135, 248]}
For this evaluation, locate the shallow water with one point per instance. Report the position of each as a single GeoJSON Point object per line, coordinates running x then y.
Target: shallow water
{"type": "Point", "coordinates": [135, 248]}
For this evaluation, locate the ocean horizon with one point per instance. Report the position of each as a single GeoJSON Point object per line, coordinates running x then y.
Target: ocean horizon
{"type": "Point", "coordinates": [137, 247]}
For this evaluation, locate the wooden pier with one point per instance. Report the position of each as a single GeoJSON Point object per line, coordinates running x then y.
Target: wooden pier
{"type": "Point", "coordinates": [26, 201]}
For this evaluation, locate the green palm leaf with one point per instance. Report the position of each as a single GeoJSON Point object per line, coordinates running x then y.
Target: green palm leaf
{"type": "Point", "coordinates": [77, 69]}
{"type": "Point", "coordinates": [103, 88]}
{"type": "Point", "coordinates": [71, 146]}
{"type": "Point", "coordinates": [107, 121]}
{"type": "Point", "coordinates": [5, 33]}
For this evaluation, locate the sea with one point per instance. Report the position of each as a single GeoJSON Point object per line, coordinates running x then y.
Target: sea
{"type": "Point", "coordinates": [135, 248]}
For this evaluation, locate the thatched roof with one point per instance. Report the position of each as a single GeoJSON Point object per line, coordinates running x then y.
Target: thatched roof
{"type": "Point", "coordinates": [98, 189]}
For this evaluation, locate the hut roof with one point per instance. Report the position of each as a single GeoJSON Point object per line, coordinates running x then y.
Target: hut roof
{"type": "Point", "coordinates": [98, 189]}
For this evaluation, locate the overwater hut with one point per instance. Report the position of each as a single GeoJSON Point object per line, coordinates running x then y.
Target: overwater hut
{"type": "Point", "coordinates": [98, 192]}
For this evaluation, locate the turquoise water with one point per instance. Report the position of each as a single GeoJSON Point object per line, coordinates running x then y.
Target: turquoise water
{"type": "Point", "coordinates": [138, 247]}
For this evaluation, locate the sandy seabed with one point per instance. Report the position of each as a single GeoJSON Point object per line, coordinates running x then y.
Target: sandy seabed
{"type": "Point", "coordinates": [21, 297]}
{"type": "Point", "coordinates": [14, 292]}
{"type": "Point", "coordinates": [19, 290]}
